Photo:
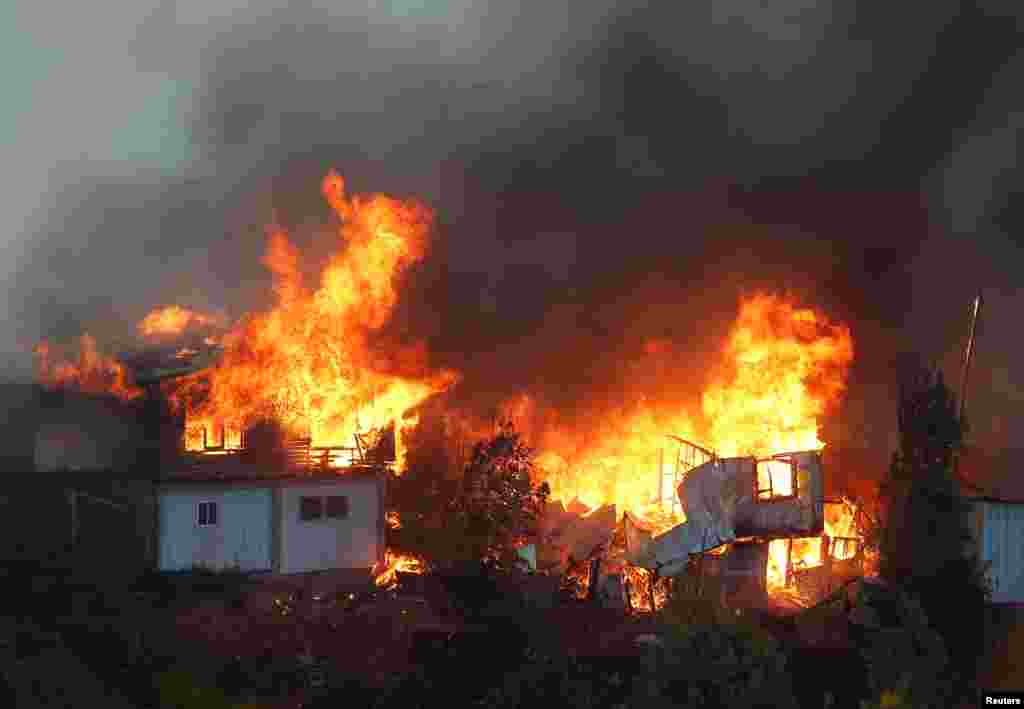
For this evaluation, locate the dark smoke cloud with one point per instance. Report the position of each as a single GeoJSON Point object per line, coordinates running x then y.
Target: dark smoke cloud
{"type": "Point", "coordinates": [603, 174]}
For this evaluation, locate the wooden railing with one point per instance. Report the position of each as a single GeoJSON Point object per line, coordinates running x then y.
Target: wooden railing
{"type": "Point", "coordinates": [296, 454]}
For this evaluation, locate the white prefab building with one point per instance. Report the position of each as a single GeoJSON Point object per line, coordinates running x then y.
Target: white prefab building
{"type": "Point", "coordinates": [999, 530]}
{"type": "Point", "coordinates": [993, 485]}
{"type": "Point", "coordinates": [285, 525]}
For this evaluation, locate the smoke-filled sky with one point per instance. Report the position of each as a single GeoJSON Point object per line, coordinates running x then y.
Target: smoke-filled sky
{"type": "Point", "coordinates": [603, 173]}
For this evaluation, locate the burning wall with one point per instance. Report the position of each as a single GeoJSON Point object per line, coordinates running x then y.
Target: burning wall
{"type": "Point", "coordinates": [722, 503]}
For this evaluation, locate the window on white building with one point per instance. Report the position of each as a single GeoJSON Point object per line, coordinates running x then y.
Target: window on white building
{"type": "Point", "coordinates": [311, 508]}
{"type": "Point", "coordinates": [206, 514]}
{"type": "Point", "coordinates": [337, 507]}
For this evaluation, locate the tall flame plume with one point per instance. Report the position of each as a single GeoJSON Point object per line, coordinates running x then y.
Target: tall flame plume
{"type": "Point", "coordinates": [782, 368]}
{"type": "Point", "coordinates": [308, 363]}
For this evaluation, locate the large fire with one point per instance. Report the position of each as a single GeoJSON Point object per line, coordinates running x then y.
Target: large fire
{"type": "Point", "coordinates": [308, 363]}
{"type": "Point", "coordinates": [782, 368]}
{"type": "Point", "coordinates": [87, 370]}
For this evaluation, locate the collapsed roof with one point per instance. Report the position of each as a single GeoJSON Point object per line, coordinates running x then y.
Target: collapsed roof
{"type": "Point", "coordinates": [156, 363]}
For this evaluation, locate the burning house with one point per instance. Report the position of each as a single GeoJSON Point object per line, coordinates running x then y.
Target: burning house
{"type": "Point", "coordinates": [283, 419]}
{"type": "Point", "coordinates": [756, 513]}
{"type": "Point", "coordinates": [767, 525]}
{"type": "Point", "coordinates": [735, 499]}
{"type": "Point", "coordinates": [267, 504]}
{"type": "Point", "coordinates": [267, 439]}
{"type": "Point", "coordinates": [763, 526]}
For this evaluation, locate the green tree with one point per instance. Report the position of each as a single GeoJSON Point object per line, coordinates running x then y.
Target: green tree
{"type": "Point", "coordinates": [498, 504]}
{"type": "Point", "coordinates": [926, 546]}
{"type": "Point", "coordinates": [483, 513]}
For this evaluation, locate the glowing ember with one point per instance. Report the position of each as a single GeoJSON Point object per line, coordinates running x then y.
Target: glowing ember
{"type": "Point", "coordinates": [640, 583]}
{"type": "Point", "coordinates": [387, 576]}
{"type": "Point", "coordinates": [308, 363]}
{"type": "Point", "coordinates": [173, 320]}
{"type": "Point", "coordinates": [88, 371]}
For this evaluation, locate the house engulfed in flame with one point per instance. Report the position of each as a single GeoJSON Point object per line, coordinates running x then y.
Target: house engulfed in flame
{"type": "Point", "coordinates": [767, 521]}
{"type": "Point", "coordinates": [761, 525]}
{"type": "Point", "coordinates": [270, 506]}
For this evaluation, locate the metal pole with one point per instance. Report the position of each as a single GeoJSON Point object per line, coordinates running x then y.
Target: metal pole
{"type": "Point", "coordinates": [975, 311]}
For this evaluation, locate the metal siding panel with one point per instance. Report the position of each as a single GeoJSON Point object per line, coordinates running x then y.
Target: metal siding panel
{"type": "Point", "coordinates": [1014, 553]}
{"type": "Point", "coordinates": [241, 538]}
{"type": "Point", "coordinates": [1000, 527]}
{"type": "Point", "coordinates": [275, 531]}
{"type": "Point", "coordinates": [1006, 579]}
{"type": "Point", "coordinates": [1005, 575]}
{"type": "Point", "coordinates": [1001, 546]}
{"type": "Point", "coordinates": [330, 544]}
{"type": "Point", "coordinates": [990, 547]}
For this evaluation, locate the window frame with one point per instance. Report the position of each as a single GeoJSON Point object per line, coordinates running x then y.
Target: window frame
{"type": "Point", "coordinates": [208, 505]}
{"type": "Point", "coordinates": [304, 500]}
{"type": "Point", "coordinates": [772, 497]}
{"type": "Point", "coordinates": [327, 507]}
{"type": "Point", "coordinates": [852, 541]}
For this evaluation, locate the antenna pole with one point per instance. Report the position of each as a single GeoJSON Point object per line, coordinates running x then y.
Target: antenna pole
{"type": "Point", "coordinates": [975, 312]}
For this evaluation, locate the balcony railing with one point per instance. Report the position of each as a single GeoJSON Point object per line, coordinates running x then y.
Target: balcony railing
{"type": "Point", "coordinates": [296, 455]}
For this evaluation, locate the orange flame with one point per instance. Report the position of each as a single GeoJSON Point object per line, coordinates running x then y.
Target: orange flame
{"type": "Point", "coordinates": [785, 366]}
{"type": "Point", "coordinates": [781, 369]}
{"type": "Point", "coordinates": [785, 555]}
{"type": "Point", "coordinates": [387, 575]}
{"type": "Point", "coordinates": [89, 372]}
{"type": "Point", "coordinates": [173, 320]}
{"type": "Point", "coordinates": [308, 362]}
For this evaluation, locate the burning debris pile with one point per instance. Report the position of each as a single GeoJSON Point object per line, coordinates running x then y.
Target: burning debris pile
{"type": "Point", "coordinates": [783, 368]}
{"type": "Point", "coordinates": [793, 545]}
{"type": "Point", "coordinates": [386, 575]}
